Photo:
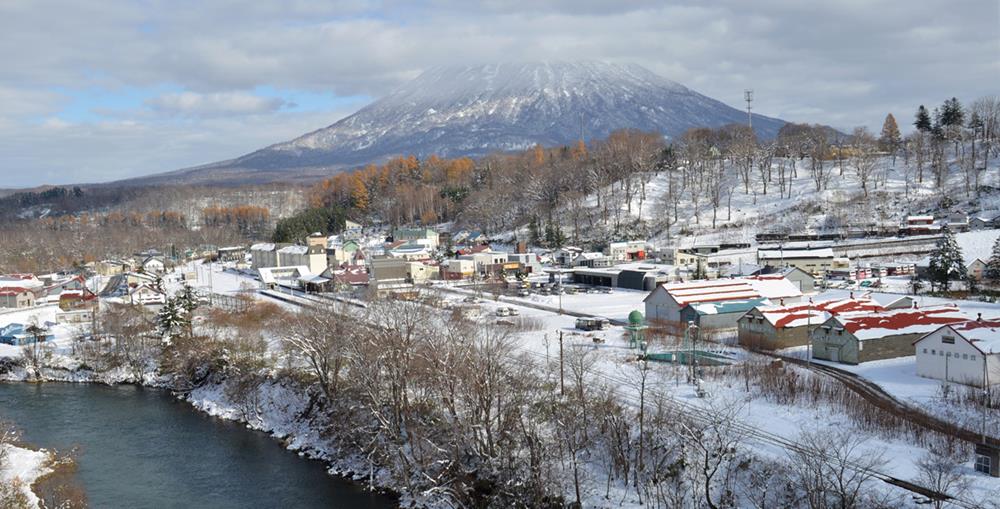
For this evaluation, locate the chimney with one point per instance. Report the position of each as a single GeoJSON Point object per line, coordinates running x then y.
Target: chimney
{"type": "Point", "coordinates": [852, 295]}
{"type": "Point", "coordinates": [979, 317]}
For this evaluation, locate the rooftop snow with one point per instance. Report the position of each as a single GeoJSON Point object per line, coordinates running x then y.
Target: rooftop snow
{"type": "Point", "coordinates": [866, 325]}
{"type": "Point", "coordinates": [983, 334]}
{"type": "Point", "coordinates": [798, 315]}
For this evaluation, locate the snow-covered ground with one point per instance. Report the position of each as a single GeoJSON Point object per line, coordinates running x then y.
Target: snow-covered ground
{"type": "Point", "coordinates": [25, 465]}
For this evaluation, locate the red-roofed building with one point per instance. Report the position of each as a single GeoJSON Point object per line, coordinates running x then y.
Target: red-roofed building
{"type": "Point", "coordinates": [858, 337]}
{"type": "Point", "coordinates": [965, 352]}
{"type": "Point", "coordinates": [776, 327]}
{"type": "Point", "coordinates": [666, 301]}
{"type": "Point", "coordinates": [16, 297]}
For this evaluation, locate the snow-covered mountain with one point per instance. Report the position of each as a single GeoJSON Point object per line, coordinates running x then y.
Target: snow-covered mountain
{"type": "Point", "coordinates": [473, 110]}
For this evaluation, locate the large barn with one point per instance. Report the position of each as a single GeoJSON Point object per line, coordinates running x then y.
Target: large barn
{"type": "Point", "coordinates": [853, 338]}
{"type": "Point", "coordinates": [776, 327]}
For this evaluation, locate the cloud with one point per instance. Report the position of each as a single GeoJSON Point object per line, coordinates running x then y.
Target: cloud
{"type": "Point", "coordinates": [203, 63]}
{"type": "Point", "coordinates": [192, 104]}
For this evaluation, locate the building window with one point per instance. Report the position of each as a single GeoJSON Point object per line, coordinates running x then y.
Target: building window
{"type": "Point", "coordinates": [948, 340]}
{"type": "Point", "coordinates": [933, 352]}
{"type": "Point", "coordinates": [965, 356]}
{"type": "Point", "coordinates": [983, 463]}
{"type": "Point", "coordinates": [972, 357]}
{"type": "Point", "coordinates": [925, 350]}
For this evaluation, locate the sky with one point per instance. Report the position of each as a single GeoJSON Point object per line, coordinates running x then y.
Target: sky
{"type": "Point", "coordinates": [100, 91]}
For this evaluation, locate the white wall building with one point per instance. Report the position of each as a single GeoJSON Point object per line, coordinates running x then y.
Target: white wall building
{"type": "Point", "coordinates": [966, 353]}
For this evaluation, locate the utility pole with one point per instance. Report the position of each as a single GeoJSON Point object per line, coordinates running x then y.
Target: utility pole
{"type": "Point", "coordinates": [748, 97]}
{"type": "Point", "coordinates": [809, 340]}
{"type": "Point", "coordinates": [562, 380]}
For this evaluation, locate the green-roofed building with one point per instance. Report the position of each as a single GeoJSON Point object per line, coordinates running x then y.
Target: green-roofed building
{"type": "Point", "coordinates": [723, 314]}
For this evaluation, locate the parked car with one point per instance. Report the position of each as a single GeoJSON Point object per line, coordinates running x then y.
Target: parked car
{"type": "Point", "coordinates": [470, 299]}
{"type": "Point", "coordinates": [513, 311]}
{"type": "Point", "coordinates": [523, 293]}
{"type": "Point", "coordinates": [503, 312]}
{"type": "Point", "coordinates": [607, 290]}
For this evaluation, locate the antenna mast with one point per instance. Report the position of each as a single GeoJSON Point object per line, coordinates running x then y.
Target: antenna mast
{"type": "Point", "coordinates": [748, 97]}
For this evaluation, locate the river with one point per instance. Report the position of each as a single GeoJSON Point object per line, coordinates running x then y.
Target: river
{"type": "Point", "coordinates": [142, 448]}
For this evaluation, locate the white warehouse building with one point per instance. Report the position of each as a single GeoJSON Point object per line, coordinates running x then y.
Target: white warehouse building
{"type": "Point", "coordinates": [966, 353]}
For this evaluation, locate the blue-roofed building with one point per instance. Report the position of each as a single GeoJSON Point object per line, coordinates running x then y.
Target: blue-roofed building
{"type": "Point", "coordinates": [723, 314]}
{"type": "Point", "coordinates": [18, 334]}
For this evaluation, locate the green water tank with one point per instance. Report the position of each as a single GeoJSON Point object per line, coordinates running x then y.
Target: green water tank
{"type": "Point", "coordinates": [635, 318]}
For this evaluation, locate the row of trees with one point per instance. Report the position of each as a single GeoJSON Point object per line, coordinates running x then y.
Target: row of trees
{"type": "Point", "coordinates": [249, 220]}
{"type": "Point", "coordinates": [500, 191]}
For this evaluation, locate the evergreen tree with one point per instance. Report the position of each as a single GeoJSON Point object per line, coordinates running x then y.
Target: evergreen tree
{"type": "Point", "coordinates": [534, 234]}
{"type": "Point", "coordinates": [952, 113]}
{"type": "Point", "coordinates": [937, 127]}
{"type": "Point", "coordinates": [923, 120]}
{"type": "Point", "coordinates": [169, 320]}
{"type": "Point", "coordinates": [890, 138]}
{"type": "Point", "coordinates": [992, 272]}
{"type": "Point", "coordinates": [946, 263]}
{"type": "Point", "coordinates": [558, 237]}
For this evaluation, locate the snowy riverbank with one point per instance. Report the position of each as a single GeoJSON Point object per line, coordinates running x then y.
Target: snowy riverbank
{"type": "Point", "coordinates": [20, 468]}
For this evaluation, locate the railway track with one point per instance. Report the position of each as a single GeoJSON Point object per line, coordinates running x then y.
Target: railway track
{"type": "Point", "coordinates": [877, 396]}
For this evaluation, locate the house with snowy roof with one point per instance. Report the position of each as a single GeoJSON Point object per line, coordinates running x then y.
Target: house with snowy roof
{"type": "Point", "coordinates": [853, 338]}
{"type": "Point", "coordinates": [965, 352]}
{"type": "Point", "coordinates": [775, 287]}
{"type": "Point", "coordinates": [146, 295]}
{"type": "Point", "coordinates": [776, 327]}
{"type": "Point", "coordinates": [16, 297]}
{"type": "Point", "coordinates": [667, 301]}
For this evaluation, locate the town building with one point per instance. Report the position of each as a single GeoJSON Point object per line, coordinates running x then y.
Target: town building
{"type": "Point", "coordinates": [16, 297]}
{"type": "Point", "coordinates": [777, 327]}
{"type": "Point", "coordinates": [628, 251]}
{"type": "Point", "coordinates": [231, 254]}
{"type": "Point", "coordinates": [853, 338]}
{"type": "Point", "coordinates": [813, 260]}
{"type": "Point", "coordinates": [719, 314]}
{"type": "Point", "coordinates": [965, 352]}
{"type": "Point", "coordinates": [146, 295]}
{"type": "Point", "coordinates": [423, 236]}
{"type": "Point", "coordinates": [666, 301]}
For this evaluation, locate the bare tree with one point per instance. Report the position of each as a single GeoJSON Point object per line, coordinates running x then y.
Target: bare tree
{"type": "Point", "coordinates": [320, 337]}
{"type": "Point", "coordinates": [713, 438]}
{"type": "Point", "coordinates": [835, 469]}
{"type": "Point", "coordinates": [940, 469]}
{"type": "Point", "coordinates": [864, 156]}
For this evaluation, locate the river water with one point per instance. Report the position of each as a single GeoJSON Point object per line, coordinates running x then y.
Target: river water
{"type": "Point", "coordinates": [142, 448]}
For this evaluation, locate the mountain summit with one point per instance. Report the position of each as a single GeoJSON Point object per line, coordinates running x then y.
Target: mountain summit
{"type": "Point", "coordinates": [473, 110]}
